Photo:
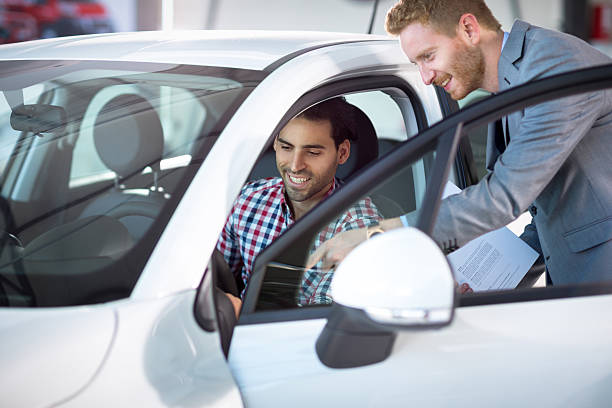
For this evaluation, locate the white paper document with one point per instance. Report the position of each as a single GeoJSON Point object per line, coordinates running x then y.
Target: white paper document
{"type": "Point", "coordinates": [496, 260]}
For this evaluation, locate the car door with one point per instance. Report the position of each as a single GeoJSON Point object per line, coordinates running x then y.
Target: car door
{"type": "Point", "coordinates": [529, 346]}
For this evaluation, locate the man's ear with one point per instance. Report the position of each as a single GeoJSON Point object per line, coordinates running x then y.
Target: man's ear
{"type": "Point", "coordinates": [469, 29]}
{"type": "Point", "coordinates": [344, 151]}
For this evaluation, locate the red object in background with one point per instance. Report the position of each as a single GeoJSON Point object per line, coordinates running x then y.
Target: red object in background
{"type": "Point", "coordinates": [16, 27]}
{"type": "Point", "coordinates": [602, 22]}
{"type": "Point", "coordinates": [56, 18]}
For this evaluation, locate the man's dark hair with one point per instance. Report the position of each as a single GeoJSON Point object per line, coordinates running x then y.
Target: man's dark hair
{"type": "Point", "coordinates": [339, 113]}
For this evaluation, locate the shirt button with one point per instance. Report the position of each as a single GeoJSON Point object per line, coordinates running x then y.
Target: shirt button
{"type": "Point", "coordinates": [533, 210]}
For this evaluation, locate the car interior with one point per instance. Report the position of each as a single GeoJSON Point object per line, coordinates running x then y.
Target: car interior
{"type": "Point", "coordinates": [95, 164]}
{"type": "Point", "coordinates": [94, 231]}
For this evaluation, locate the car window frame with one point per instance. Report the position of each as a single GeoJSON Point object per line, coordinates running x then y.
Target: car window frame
{"type": "Point", "coordinates": [482, 112]}
{"type": "Point", "coordinates": [354, 85]}
{"type": "Point", "coordinates": [340, 87]}
{"type": "Point", "coordinates": [442, 143]}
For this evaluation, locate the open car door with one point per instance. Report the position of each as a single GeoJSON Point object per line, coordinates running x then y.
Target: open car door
{"type": "Point", "coordinates": [397, 332]}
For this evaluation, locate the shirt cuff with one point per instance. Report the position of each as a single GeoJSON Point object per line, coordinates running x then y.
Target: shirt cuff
{"type": "Point", "coordinates": [404, 220]}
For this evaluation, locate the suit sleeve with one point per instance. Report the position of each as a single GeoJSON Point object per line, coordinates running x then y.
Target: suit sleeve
{"type": "Point", "coordinates": [545, 137]}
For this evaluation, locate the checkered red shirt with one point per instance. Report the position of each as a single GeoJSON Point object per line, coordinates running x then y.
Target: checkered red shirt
{"type": "Point", "coordinates": [261, 214]}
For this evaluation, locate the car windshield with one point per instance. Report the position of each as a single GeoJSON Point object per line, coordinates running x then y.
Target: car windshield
{"type": "Point", "coordinates": [94, 157]}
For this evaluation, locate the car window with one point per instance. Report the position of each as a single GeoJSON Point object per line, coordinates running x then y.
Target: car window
{"type": "Point", "coordinates": [8, 135]}
{"type": "Point", "coordinates": [477, 137]}
{"type": "Point", "coordinates": [395, 122]}
{"type": "Point", "coordinates": [385, 114]}
{"type": "Point", "coordinates": [94, 163]}
{"type": "Point", "coordinates": [383, 119]}
{"type": "Point", "coordinates": [281, 275]}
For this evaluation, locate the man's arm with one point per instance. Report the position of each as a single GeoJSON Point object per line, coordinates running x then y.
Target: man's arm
{"type": "Point", "coordinates": [546, 136]}
{"type": "Point", "coordinates": [541, 139]}
{"type": "Point", "coordinates": [317, 278]}
{"type": "Point", "coordinates": [229, 248]}
{"type": "Point", "coordinates": [331, 252]}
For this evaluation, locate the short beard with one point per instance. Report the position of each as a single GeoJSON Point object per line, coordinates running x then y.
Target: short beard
{"type": "Point", "coordinates": [468, 70]}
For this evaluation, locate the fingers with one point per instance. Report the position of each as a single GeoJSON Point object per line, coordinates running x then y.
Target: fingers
{"type": "Point", "coordinates": [317, 255]}
{"type": "Point", "coordinates": [465, 288]}
{"type": "Point", "coordinates": [327, 254]}
{"type": "Point", "coordinates": [330, 260]}
{"type": "Point", "coordinates": [236, 303]}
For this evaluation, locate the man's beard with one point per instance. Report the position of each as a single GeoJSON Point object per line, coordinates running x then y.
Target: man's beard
{"type": "Point", "coordinates": [317, 184]}
{"type": "Point", "coordinates": [467, 71]}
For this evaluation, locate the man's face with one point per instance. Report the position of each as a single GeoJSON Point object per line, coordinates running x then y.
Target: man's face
{"type": "Point", "coordinates": [307, 158]}
{"type": "Point", "coordinates": [449, 62]}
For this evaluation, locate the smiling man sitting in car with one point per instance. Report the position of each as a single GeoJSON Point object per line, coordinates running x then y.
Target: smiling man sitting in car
{"type": "Point", "coordinates": [308, 151]}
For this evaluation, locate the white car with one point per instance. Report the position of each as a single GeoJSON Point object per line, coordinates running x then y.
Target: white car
{"type": "Point", "coordinates": [121, 156]}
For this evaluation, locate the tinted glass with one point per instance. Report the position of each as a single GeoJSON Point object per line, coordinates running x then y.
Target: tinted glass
{"type": "Point", "coordinates": [288, 282]}
{"type": "Point", "coordinates": [94, 157]}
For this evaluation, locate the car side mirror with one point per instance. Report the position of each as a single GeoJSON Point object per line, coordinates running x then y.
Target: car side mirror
{"type": "Point", "coordinates": [396, 280]}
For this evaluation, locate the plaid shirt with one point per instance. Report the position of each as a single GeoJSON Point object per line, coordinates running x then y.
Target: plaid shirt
{"type": "Point", "coordinates": [261, 214]}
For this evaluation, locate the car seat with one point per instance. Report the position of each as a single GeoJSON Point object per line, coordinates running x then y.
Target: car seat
{"type": "Point", "coordinates": [128, 137]}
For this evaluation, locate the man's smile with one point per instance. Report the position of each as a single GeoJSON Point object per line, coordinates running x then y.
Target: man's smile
{"type": "Point", "coordinates": [444, 82]}
{"type": "Point", "coordinates": [297, 180]}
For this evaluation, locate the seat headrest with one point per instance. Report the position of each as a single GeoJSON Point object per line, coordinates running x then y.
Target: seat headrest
{"type": "Point", "coordinates": [128, 135]}
{"type": "Point", "coordinates": [364, 147]}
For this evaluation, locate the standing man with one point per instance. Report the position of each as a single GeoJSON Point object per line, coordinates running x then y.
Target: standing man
{"type": "Point", "coordinates": [556, 162]}
{"type": "Point", "coordinates": [309, 149]}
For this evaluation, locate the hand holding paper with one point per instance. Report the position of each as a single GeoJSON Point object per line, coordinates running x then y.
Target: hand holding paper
{"type": "Point", "coordinates": [496, 260]}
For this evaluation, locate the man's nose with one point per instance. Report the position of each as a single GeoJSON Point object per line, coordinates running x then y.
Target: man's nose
{"type": "Point", "coordinates": [297, 162]}
{"type": "Point", "coordinates": [427, 75]}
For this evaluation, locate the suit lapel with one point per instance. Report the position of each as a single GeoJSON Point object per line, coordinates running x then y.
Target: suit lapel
{"type": "Point", "coordinates": [507, 77]}
{"type": "Point", "coordinates": [507, 71]}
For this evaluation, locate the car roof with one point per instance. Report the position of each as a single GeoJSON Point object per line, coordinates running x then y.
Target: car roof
{"type": "Point", "coordinates": [252, 49]}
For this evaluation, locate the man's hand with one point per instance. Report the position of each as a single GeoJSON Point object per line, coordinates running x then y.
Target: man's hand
{"type": "Point", "coordinates": [333, 251]}
{"type": "Point", "coordinates": [464, 288]}
{"type": "Point", "coordinates": [236, 302]}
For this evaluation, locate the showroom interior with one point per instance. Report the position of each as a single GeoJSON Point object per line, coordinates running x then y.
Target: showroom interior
{"type": "Point", "coordinates": [590, 20]}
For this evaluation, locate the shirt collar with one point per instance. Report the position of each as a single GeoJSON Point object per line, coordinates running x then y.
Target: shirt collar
{"type": "Point", "coordinates": [283, 198]}
{"type": "Point", "coordinates": [333, 188]}
{"type": "Point", "coordinates": [506, 34]}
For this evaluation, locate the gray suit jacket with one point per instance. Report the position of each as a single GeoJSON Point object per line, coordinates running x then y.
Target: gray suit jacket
{"type": "Point", "coordinates": [558, 164]}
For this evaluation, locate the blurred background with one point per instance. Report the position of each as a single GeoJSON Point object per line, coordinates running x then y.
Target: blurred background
{"type": "Point", "coordinates": [22, 20]}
